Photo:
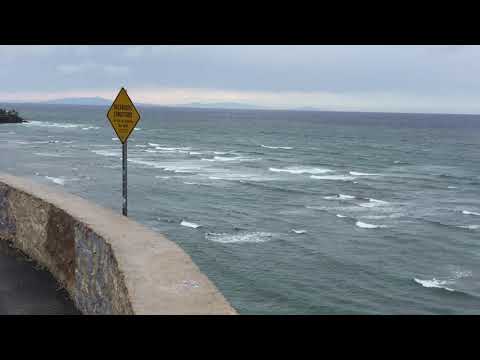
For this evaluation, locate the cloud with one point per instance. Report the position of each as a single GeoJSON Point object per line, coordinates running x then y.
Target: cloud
{"type": "Point", "coordinates": [116, 70]}
{"type": "Point", "coordinates": [135, 51]}
{"type": "Point", "coordinates": [345, 76]}
{"type": "Point", "coordinates": [82, 50]}
{"type": "Point", "coordinates": [72, 69]}
{"type": "Point", "coordinates": [26, 50]}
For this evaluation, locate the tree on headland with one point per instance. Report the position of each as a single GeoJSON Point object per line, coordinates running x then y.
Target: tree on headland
{"type": "Point", "coordinates": [9, 116]}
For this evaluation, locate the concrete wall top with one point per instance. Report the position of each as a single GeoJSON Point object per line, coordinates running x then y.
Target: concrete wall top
{"type": "Point", "coordinates": [160, 278]}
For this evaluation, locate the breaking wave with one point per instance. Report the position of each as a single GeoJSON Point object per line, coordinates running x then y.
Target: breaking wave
{"type": "Point", "coordinates": [190, 224]}
{"type": "Point", "coordinates": [434, 283]}
{"type": "Point", "coordinates": [52, 124]}
{"type": "Point", "coordinates": [253, 237]}
{"type": "Point", "coordinates": [339, 197]}
{"type": "Point", "coordinates": [466, 212]}
{"type": "Point", "coordinates": [362, 174]}
{"type": "Point", "coordinates": [106, 153]}
{"type": "Point", "coordinates": [299, 231]}
{"type": "Point", "coordinates": [277, 147]}
{"type": "Point", "coordinates": [363, 225]}
{"type": "Point", "coordinates": [55, 180]}
{"type": "Point", "coordinates": [301, 170]}
{"type": "Point", "coordinates": [374, 203]}
{"type": "Point", "coordinates": [234, 158]}
{"type": "Point", "coordinates": [333, 177]}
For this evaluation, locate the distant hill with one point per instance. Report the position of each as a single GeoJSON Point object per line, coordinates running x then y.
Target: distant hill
{"type": "Point", "coordinates": [80, 101]}
{"type": "Point", "coordinates": [221, 105]}
{"type": "Point", "coordinates": [99, 101]}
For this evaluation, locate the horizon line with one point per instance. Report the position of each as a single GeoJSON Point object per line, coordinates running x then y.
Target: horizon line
{"type": "Point", "coordinates": [205, 106]}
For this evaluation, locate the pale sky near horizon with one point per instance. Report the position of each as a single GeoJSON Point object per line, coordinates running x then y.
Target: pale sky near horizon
{"type": "Point", "coordinates": [396, 78]}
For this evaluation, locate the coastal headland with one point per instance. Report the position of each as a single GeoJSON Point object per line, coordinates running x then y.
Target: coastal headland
{"type": "Point", "coordinates": [10, 117]}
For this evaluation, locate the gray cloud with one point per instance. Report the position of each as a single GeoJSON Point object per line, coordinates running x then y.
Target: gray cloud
{"type": "Point", "coordinates": [353, 72]}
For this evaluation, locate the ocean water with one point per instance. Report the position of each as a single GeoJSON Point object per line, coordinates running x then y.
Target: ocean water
{"type": "Point", "coordinates": [287, 212]}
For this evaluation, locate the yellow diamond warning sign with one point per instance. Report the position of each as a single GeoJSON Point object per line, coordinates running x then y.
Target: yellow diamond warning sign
{"type": "Point", "coordinates": [123, 115]}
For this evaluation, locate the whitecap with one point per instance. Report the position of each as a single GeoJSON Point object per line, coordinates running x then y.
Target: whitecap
{"type": "Point", "coordinates": [377, 217]}
{"type": "Point", "coordinates": [452, 187]}
{"type": "Point", "coordinates": [91, 128]}
{"type": "Point", "coordinates": [434, 283]}
{"type": "Point", "coordinates": [142, 146]}
{"type": "Point", "coordinates": [277, 147]}
{"type": "Point", "coordinates": [195, 183]}
{"type": "Point", "coordinates": [153, 144]}
{"type": "Point", "coordinates": [355, 173]}
{"type": "Point", "coordinates": [172, 149]}
{"type": "Point", "coordinates": [340, 216]}
{"type": "Point", "coordinates": [363, 225]}
{"type": "Point", "coordinates": [339, 197]}
{"type": "Point", "coordinates": [374, 203]}
{"type": "Point", "coordinates": [299, 231]}
{"type": "Point", "coordinates": [458, 274]}
{"type": "Point", "coordinates": [53, 124]}
{"type": "Point", "coordinates": [253, 237]}
{"type": "Point", "coordinates": [186, 168]}
{"type": "Point", "coordinates": [466, 212]}
{"type": "Point", "coordinates": [301, 170]}
{"type": "Point", "coordinates": [470, 227]}
{"type": "Point", "coordinates": [333, 177]}
{"type": "Point", "coordinates": [49, 155]}
{"type": "Point", "coordinates": [58, 181]}
{"type": "Point", "coordinates": [106, 153]}
{"type": "Point", "coordinates": [241, 177]}
{"type": "Point", "coordinates": [189, 224]}
{"type": "Point", "coordinates": [235, 158]}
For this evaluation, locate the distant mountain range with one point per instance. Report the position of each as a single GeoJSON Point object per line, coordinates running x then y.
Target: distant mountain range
{"type": "Point", "coordinates": [222, 105]}
{"type": "Point", "coordinates": [99, 101]}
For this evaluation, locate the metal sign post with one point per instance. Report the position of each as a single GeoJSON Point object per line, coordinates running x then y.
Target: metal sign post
{"type": "Point", "coordinates": [124, 117]}
{"type": "Point", "coordinates": [124, 178]}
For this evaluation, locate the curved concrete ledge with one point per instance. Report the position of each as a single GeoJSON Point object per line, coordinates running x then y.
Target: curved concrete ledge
{"type": "Point", "coordinates": [108, 263]}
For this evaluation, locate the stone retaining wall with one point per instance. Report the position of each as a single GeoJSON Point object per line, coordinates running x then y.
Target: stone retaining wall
{"type": "Point", "coordinates": [109, 264]}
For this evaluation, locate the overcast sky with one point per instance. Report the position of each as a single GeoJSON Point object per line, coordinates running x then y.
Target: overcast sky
{"type": "Point", "coordinates": [364, 78]}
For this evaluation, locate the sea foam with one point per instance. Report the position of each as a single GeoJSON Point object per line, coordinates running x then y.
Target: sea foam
{"type": "Point", "coordinates": [189, 224]}
{"type": "Point", "coordinates": [340, 197]}
{"type": "Point", "coordinates": [434, 283]}
{"type": "Point", "coordinates": [373, 203]}
{"type": "Point", "coordinates": [53, 124]}
{"type": "Point", "coordinates": [252, 237]}
{"type": "Point", "coordinates": [277, 147]}
{"type": "Point", "coordinates": [106, 153]}
{"type": "Point", "coordinates": [58, 181]}
{"type": "Point", "coordinates": [301, 170]}
{"type": "Point", "coordinates": [234, 158]}
{"type": "Point", "coordinates": [466, 212]}
{"type": "Point", "coordinates": [363, 225]}
{"type": "Point", "coordinates": [355, 173]}
{"type": "Point", "coordinates": [333, 177]}
{"type": "Point", "coordinates": [299, 231]}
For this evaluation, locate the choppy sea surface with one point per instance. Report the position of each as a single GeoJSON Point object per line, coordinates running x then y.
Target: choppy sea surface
{"type": "Point", "coordinates": [287, 212]}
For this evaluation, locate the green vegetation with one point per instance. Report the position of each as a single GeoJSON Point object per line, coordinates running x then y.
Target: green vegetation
{"type": "Point", "coordinates": [10, 116]}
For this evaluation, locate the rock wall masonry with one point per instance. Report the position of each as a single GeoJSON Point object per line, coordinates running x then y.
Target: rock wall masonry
{"type": "Point", "coordinates": [108, 263]}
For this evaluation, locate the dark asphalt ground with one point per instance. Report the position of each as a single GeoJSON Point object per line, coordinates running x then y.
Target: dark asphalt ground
{"type": "Point", "coordinates": [27, 290]}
